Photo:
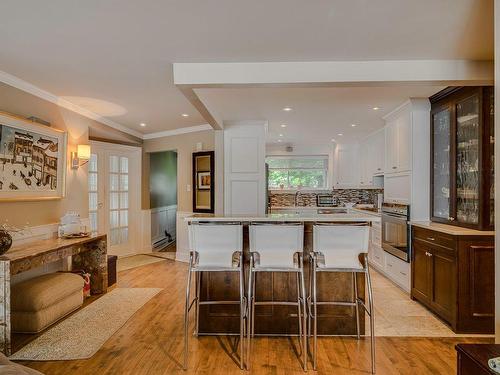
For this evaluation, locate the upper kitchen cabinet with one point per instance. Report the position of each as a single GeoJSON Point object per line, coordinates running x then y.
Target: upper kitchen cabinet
{"type": "Point", "coordinates": [371, 157]}
{"type": "Point", "coordinates": [462, 142]}
{"type": "Point", "coordinates": [398, 142]}
{"type": "Point", "coordinates": [407, 157]}
{"type": "Point", "coordinates": [346, 168]}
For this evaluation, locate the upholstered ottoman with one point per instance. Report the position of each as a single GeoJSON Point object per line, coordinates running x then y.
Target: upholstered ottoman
{"type": "Point", "coordinates": [43, 300]}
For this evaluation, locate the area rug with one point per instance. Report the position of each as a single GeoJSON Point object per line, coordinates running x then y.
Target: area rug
{"type": "Point", "coordinates": [138, 260]}
{"type": "Point", "coordinates": [82, 334]}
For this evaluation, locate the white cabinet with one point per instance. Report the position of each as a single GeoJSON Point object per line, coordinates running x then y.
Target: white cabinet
{"type": "Point", "coordinates": [371, 156]}
{"type": "Point", "coordinates": [397, 188]}
{"type": "Point", "coordinates": [393, 268]}
{"type": "Point", "coordinates": [398, 271]}
{"type": "Point", "coordinates": [378, 152]}
{"type": "Point", "coordinates": [346, 169]}
{"type": "Point", "coordinates": [244, 168]}
{"type": "Point", "coordinates": [398, 143]}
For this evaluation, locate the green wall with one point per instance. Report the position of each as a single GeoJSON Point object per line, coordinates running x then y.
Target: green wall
{"type": "Point", "coordinates": [163, 178]}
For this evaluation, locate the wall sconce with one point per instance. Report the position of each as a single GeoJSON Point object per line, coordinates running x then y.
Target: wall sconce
{"type": "Point", "coordinates": [82, 154]}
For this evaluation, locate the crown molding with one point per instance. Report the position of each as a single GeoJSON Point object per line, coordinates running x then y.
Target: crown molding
{"type": "Point", "coordinates": [168, 133]}
{"type": "Point", "coordinates": [20, 84]}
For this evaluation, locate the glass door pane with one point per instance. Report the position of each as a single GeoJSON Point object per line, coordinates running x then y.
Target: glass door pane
{"type": "Point", "coordinates": [468, 160]}
{"type": "Point", "coordinates": [441, 167]}
{"type": "Point", "coordinates": [118, 200]}
{"type": "Point", "coordinates": [93, 193]}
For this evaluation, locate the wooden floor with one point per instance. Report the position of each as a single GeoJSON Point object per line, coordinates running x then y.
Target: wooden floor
{"type": "Point", "coordinates": [151, 342]}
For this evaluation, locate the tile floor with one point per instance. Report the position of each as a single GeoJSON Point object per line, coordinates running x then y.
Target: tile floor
{"type": "Point", "coordinates": [397, 315]}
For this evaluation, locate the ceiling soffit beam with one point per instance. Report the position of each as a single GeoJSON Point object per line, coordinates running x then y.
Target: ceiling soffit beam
{"type": "Point", "coordinates": [333, 73]}
{"type": "Point", "coordinates": [194, 99]}
{"type": "Point", "coordinates": [190, 76]}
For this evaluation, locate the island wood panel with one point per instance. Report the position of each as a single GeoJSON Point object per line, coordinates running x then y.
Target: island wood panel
{"type": "Point", "coordinates": [279, 286]}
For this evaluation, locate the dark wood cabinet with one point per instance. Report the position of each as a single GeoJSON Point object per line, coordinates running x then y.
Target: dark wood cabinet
{"type": "Point", "coordinates": [462, 142]}
{"type": "Point", "coordinates": [453, 276]}
{"type": "Point", "coordinates": [472, 359]}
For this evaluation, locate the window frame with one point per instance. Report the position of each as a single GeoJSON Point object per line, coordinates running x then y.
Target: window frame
{"type": "Point", "coordinates": [325, 169]}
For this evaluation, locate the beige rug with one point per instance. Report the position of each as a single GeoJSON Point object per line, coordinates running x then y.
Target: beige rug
{"type": "Point", "coordinates": [82, 334]}
{"type": "Point", "coordinates": [134, 261]}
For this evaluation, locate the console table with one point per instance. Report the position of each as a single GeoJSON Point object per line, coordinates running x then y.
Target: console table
{"type": "Point", "coordinates": [87, 253]}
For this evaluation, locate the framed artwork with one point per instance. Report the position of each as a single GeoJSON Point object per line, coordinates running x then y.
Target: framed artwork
{"type": "Point", "coordinates": [32, 160]}
{"type": "Point", "coordinates": [204, 180]}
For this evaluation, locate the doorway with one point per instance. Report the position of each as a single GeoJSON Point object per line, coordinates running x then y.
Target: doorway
{"type": "Point", "coordinates": [114, 195]}
{"type": "Point", "coordinates": [163, 199]}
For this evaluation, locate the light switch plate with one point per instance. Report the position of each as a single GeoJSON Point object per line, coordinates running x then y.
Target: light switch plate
{"type": "Point", "coordinates": [188, 187]}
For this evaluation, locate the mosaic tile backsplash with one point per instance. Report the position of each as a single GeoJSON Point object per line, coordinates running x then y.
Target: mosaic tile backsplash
{"type": "Point", "coordinates": [308, 199]}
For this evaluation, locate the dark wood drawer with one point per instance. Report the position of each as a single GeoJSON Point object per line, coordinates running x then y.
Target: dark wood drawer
{"type": "Point", "coordinates": [435, 238]}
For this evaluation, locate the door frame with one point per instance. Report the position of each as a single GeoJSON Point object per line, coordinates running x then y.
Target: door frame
{"type": "Point", "coordinates": [134, 153]}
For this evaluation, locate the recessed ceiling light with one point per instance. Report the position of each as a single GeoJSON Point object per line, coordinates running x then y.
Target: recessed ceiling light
{"type": "Point", "coordinates": [340, 134]}
{"type": "Point", "coordinates": [283, 125]}
{"type": "Point", "coordinates": [333, 140]}
{"type": "Point", "coordinates": [185, 115]}
{"type": "Point", "coordinates": [353, 125]}
{"type": "Point", "coordinates": [279, 140]}
{"type": "Point", "coordinates": [281, 135]}
{"type": "Point", "coordinates": [142, 124]}
{"type": "Point", "coordinates": [287, 109]}
{"type": "Point", "coordinates": [376, 108]}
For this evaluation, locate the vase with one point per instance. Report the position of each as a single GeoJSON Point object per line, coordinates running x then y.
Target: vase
{"type": "Point", "coordinates": [5, 241]}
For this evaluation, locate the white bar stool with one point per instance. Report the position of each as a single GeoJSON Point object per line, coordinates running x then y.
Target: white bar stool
{"type": "Point", "coordinates": [277, 248]}
{"type": "Point", "coordinates": [340, 248]}
{"type": "Point", "coordinates": [215, 247]}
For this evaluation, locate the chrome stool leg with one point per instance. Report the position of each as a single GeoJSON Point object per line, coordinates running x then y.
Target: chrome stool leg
{"type": "Point", "coordinates": [355, 282]}
{"type": "Point", "coordinates": [372, 317]}
{"type": "Point", "coordinates": [299, 312]}
{"type": "Point", "coordinates": [250, 300]}
{"type": "Point", "coordinates": [197, 303]}
{"type": "Point", "coordinates": [314, 314]}
{"type": "Point", "coordinates": [242, 315]}
{"type": "Point", "coordinates": [186, 313]}
{"type": "Point", "coordinates": [304, 337]}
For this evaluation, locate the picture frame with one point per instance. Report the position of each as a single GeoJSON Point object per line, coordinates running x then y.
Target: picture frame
{"type": "Point", "coordinates": [33, 160]}
{"type": "Point", "coordinates": [204, 180]}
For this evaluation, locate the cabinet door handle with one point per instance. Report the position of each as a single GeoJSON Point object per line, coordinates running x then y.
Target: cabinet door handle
{"type": "Point", "coordinates": [390, 265]}
{"type": "Point", "coordinates": [428, 254]}
{"type": "Point", "coordinates": [402, 273]}
{"type": "Point", "coordinates": [431, 238]}
{"type": "Point", "coordinates": [394, 167]}
{"type": "Point", "coordinates": [379, 169]}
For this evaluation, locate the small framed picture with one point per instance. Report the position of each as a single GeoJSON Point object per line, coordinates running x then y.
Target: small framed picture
{"type": "Point", "coordinates": [204, 180]}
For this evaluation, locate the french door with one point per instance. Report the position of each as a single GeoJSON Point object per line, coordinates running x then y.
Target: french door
{"type": "Point", "coordinates": [114, 195]}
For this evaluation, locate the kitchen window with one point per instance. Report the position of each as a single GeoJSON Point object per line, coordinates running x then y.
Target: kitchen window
{"type": "Point", "coordinates": [293, 172]}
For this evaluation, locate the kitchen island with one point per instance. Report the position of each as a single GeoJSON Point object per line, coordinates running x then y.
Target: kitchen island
{"type": "Point", "coordinates": [281, 286]}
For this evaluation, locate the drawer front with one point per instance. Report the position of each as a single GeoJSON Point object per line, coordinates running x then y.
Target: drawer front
{"type": "Point", "coordinates": [435, 238]}
{"type": "Point", "coordinates": [376, 237]}
{"type": "Point", "coordinates": [378, 256]}
{"type": "Point", "coordinates": [398, 270]}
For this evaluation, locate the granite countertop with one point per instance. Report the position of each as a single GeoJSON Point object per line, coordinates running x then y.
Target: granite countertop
{"type": "Point", "coordinates": [291, 217]}
{"type": "Point", "coordinates": [315, 208]}
{"type": "Point", "coordinates": [451, 229]}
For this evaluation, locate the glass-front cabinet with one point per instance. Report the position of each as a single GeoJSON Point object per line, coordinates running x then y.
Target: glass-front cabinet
{"type": "Point", "coordinates": [462, 143]}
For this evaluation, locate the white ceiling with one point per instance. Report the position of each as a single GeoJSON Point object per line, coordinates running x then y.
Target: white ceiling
{"type": "Point", "coordinates": [318, 114]}
{"type": "Point", "coordinates": [115, 56]}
